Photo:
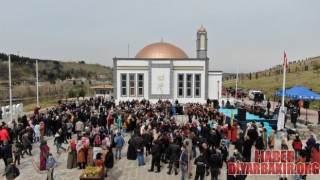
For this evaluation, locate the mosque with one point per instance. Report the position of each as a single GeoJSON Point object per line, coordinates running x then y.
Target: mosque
{"type": "Point", "coordinates": [164, 71]}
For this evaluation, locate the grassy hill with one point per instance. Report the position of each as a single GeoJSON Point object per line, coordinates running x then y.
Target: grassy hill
{"type": "Point", "coordinates": [303, 73]}
{"type": "Point", "coordinates": [51, 77]}
{"type": "Point", "coordinates": [24, 70]}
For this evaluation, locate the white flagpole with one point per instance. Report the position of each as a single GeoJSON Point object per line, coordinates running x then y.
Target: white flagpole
{"type": "Point", "coordinates": [282, 109]}
{"type": "Point", "coordinates": [37, 83]}
{"type": "Point", "coordinates": [236, 93]}
{"type": "Point", "coordinates": [10, 89]}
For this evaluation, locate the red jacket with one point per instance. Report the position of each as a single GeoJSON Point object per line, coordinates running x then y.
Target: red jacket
{"type": "Point", "coordinates": [297, 145]}
{"type": "Point", "coordinates": [4, 135]}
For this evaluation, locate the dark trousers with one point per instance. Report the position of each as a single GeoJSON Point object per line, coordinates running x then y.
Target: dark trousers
{"type": "Point", "coordinates": [172, 164]}
{"type": "Point", "coordinates": [17, 158]}
{"type": "Point", "coordinates": [5, 161]}
{"type": "Point", "coordinates": [214, 174]}
{"type": "Point", "coordinates": [68, 135]}
{"type": "Point", "coordinates": [26, 149]}
{"type": "Point", "coordinates": [199, 175]}
{"type": "Point", "coordinates": [155, 162]}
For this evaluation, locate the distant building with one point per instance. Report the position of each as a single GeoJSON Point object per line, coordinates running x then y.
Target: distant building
{"type": "Point", "coordinates": [105, 91]}
{"type": "Point", "coordinates": [77, 80]}
{"type": "Point", "coordinates": [164, 71]}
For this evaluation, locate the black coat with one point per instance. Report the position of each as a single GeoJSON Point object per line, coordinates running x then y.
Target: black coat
{"type": "Point", "coordinates": [132, 153]}
{"type": "Point", "coordinates": [259, 143]}
{"type": "Point", "coordinates": [247, 145]}
{"type": "Point", "coordinates": [109, 160]}
{"type": "Point", "coordinates": [201, 163]}
{"type": "Point", "coordinates": [7, 151]}
{"type": "Point", "coordinates": [174, 151]}
{"type": "Point", "coordinates": [155, 151]}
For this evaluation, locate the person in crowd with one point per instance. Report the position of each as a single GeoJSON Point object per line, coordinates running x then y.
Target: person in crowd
{"type": "Point", "coordinates": [315, 154]}
{"type": "Point", "coordinates": [131, 152]}
{"type": "Point", "coordinates": [98, 162]}
{"type": "Point", "coordinates": [271, 141]}
{"type": "Point", "coordinates": [302, 157]}
{"type": "Point", "coordinates": [79, 128]}
{"type": "Point", "coordinates": [72, 155]}
{"type": "Point", "coordinates": [37, 134]}
{"type": "Point", "coordinates": [4, 135]}
{"type": "Point", "coordinates": [311, 142]}
{"type": "Point", "coordinates": [201, 166]}
{"type": "Point", "coordinates": [147, 138]}
{"type": "Point", "coordinates": [59, 138]}
{"type": "Point", "coordinates": [234, 132]}
{"type": "Point", "coordinates": [11, 171]}
{"type": "Point", "coordinates": [139, 144]}
{"type": "Point", "coordinates": [81, 153]}
{"type": "Point", "coordinates": [42, 131]}
{"type": "Point", "coordinates": [119, 142]}
{"type": "Point", "coordinates": [109, 161]}
{"type": "Point", "coordinates": [173, 154]}
{"type": "Point", "coordinates": [44, 154]}
{"type": "Point", "coordinates": [183, 162]}
{"type": "Point", "coordinates": [50, 165]}
{"type": "Point", "coordinates": [69, 129]}
{"type": "Point", "coordinates": [26, 144]}
{"type": "Point", "coordinates": [6, 152]}
{"type": "Point", "coordinates": [215, 164]}
{"type": "Point", "coordinates": [297, 145]}
{"type": "Point", "coordinates": [294, 117]}
{"type": "Point", "coordinates": [156, 155]}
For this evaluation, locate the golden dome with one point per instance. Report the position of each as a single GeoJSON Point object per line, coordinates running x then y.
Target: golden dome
{"type": "Point", "coordinates": [161, 50]}
{"type": "Point", "coordinates": [202, 29]}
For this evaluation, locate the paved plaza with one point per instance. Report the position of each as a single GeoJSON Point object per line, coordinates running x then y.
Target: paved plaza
{"type": "Point", "coordinates": [123, 169]}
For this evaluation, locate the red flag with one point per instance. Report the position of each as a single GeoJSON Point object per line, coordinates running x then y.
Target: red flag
{"type": "Point", "coordinates": [285, 60]}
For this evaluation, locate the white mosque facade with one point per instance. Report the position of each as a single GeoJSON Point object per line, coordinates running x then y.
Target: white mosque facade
{"type": "Point", "coordinates": [164, 71]}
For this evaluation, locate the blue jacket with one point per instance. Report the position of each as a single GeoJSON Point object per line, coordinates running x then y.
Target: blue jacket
{"type": "Point", "coordinates": [51, 162]}
{"type": "Point", "coordinates": [119, 141]}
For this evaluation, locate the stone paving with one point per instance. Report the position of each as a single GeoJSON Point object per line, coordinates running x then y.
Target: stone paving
{"type": "Point", "coordinates": [123, 169]}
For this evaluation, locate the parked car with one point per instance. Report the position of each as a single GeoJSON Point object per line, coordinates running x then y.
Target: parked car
{"type": "Point", "coordinates": [252, 93]}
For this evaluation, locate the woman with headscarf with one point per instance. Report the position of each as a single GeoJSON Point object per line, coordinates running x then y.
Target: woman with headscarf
{"type": "Point", "coordinates": [81, 155]}
{"type": "Point", "coordinates": [72, 155]}
{"type": "Point", "coordinates": [44, 153]}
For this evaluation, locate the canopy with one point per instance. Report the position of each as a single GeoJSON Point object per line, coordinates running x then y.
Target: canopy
{"type": "Point", "coordinates": [299, 92]}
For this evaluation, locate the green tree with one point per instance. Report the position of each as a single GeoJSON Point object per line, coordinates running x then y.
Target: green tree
{"type": "Point", "coordinates": [250, 76]}
{"type": "Point", "coordinates": [82, 93]}
{"type": "Point", "coordinates": [72, 93]}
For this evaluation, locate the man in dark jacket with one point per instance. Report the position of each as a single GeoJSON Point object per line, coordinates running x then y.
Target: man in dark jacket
{"type": "Point", "coordinates": [202, 165]}
{"type": "Point", "coordinates": [139, 144]}
{"type": "Point", "coordinates": [109, 160]}
{"type": "Point", "coordinates": [173, 154]}
{"type": "Point", "coordinates": [156, 154]}
{"type": "Point", "coordinates": [147, 138]}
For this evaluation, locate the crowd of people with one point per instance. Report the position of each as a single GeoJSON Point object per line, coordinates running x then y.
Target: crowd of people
{"type": "Point", "coordinates": [94, 134]}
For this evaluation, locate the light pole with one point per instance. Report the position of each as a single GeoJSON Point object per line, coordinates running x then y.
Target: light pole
{"type": "Point", "coordinates": [218, 90]}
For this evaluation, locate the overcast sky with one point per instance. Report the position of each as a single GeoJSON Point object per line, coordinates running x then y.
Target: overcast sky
{"type": "Point", "coordinates": [248, 34]}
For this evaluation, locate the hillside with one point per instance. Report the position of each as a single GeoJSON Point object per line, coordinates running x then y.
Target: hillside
{"type": "Point", "coordinates": [24, 70]}
{"type": "Point", "coordinates": [301, 72]}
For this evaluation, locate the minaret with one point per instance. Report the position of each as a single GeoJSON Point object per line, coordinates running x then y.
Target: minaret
{"type": "Point", "coordinates": [202, 43]}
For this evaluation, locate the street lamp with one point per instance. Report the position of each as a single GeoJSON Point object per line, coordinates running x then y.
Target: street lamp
{"type": "Point", "coordinates": [218, 90]}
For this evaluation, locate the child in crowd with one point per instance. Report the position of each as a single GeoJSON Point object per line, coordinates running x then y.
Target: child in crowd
{"type": "Point", "coordinates": [98, 162]}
